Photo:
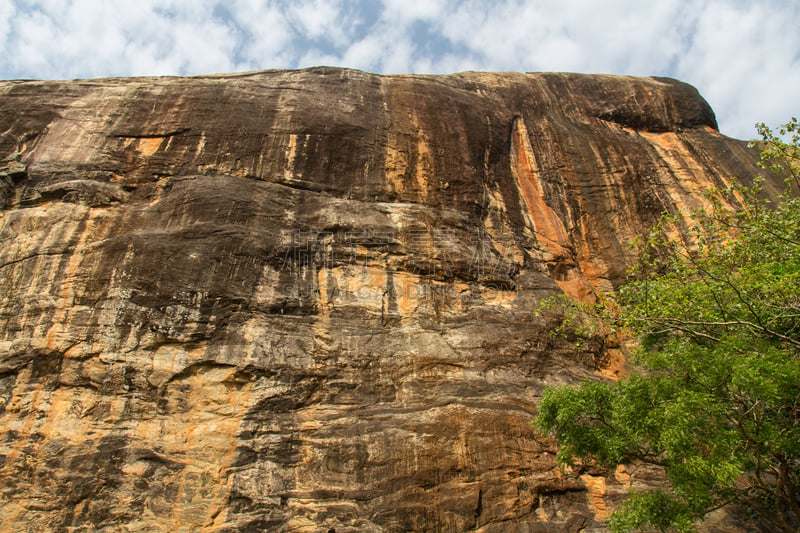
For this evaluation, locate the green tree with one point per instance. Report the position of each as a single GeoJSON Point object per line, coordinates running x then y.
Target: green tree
{"type": "Point", "coordinates": [714, 398]}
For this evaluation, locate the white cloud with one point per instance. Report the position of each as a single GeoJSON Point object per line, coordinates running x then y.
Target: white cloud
{"type": "Point", "coordinates": [403, 12]}
{"type": "Point", "coordinates": [264, 34]}
{"type": "Point", "coordinates": [745, 59]}
{"type": "Point", "coordinates": [317, 19]}
{"type": "Point", "coordinates": [34, 53]}
{"type": "Point", "coordinates": [369, 53]}
{"type": "Point", "coordinates": [743, 56]}
{"type": "Point", "coordinates": [7, 11]}
{"type": "Point", "coordinates": [578, 35]}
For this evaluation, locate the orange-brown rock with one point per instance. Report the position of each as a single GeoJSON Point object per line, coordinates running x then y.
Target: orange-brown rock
{"type": "Point", "coordinates": [304, 300]}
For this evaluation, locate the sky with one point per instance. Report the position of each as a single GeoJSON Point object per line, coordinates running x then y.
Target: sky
{"type": "Point", "coordinates": [743, 56]}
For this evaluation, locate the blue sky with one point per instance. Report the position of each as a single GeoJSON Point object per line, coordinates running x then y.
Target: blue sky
{"type": "Point", "coordinates": [743, 56]}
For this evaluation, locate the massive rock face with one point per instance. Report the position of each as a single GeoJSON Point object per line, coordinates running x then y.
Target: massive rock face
{"type": "Point", "coordinates": [304, 300]}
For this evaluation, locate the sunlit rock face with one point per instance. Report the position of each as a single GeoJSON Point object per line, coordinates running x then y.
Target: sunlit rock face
{"type": "Point", "coordinates": [305, 300]}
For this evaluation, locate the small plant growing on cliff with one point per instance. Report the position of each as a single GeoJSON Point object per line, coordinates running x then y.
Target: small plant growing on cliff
{"type": "Point", "coordinates": [715, 399]}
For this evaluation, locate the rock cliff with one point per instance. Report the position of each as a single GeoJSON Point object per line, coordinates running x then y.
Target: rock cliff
{"type": "Point", "coordinates": [304, 300]}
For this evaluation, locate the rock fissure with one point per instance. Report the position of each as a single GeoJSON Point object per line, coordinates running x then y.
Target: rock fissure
{"type": "Point", "coordinates": [150, 135]}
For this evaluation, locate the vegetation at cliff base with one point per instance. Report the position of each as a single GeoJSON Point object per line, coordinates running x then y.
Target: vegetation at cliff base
{"type": "Point", "coordinates": [715, 396]}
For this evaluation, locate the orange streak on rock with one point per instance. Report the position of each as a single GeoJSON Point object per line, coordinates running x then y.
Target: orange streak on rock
{"type": "Point", "coordinates": [217, 403]}
{"type": "Point", "coordinates": [596, 489]}
{"type": "Point", "coordinates": [149, 145]}
{"type": "Point", "coordinates": [549, 229]}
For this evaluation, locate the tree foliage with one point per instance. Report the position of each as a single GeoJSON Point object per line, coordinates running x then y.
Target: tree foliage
{"type": "Point", "coordinates": [715, 396]}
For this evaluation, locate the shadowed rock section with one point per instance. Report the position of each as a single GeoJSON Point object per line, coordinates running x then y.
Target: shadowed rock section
{"type": "Point", "coordinates": [304, 300]}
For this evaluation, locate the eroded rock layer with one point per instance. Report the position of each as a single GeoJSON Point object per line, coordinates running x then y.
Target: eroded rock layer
{"type": "Point", "coordinates": [304, 300]}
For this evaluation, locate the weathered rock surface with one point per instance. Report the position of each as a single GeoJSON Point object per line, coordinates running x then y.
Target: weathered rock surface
{"type": "Point", "coordinates": [304, 300]}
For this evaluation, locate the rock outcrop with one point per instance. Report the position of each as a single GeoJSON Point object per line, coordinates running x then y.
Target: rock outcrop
{"type": "Point", "coordinates": [304, 300]}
